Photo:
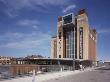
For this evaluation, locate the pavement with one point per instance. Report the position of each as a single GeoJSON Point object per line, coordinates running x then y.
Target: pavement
{"type": "Point", "coordinates": [48, 76]}
{"type": "Point", "coordinates": [97, 75]}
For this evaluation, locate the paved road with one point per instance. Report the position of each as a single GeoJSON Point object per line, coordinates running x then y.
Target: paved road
{"type": "Point", "coordinates": [99, 75]}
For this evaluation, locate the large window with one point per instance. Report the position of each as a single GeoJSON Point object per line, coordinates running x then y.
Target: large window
{"type": "Point", "coordinates": [69, 44]}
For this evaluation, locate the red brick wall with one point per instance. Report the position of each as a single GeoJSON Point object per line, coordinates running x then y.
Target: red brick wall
{"type": "Point", "coordinates": [92, 46]}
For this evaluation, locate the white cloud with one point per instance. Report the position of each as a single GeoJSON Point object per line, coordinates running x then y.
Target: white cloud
{"type": "Point", "coordinates": [69, 8]}
{"type": "Point", "coordinates": [14, 6]}
{"type": "Point", "coordinates": [28, 23]}
{"type": "Point", "coordinates": [35, 26]}
{"type": "Point", "coordinates": [34, 40]}
{"type": "Point", "coordinates": [10, 37]}
{"type": "Point", "coordinates": [102, 31]}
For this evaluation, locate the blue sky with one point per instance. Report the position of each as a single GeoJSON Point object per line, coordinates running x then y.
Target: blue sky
{"type": "Point", "coordinates": [26, 26]}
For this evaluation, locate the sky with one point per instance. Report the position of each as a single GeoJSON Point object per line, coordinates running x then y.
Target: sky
{"type": "Point", "coordinates": [26, 26]}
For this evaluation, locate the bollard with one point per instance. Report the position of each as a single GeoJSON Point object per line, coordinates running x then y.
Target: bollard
{"type": "Point", "coordinates": [61, 69]}
{"type": "Point", "coordinates": [33, 78]}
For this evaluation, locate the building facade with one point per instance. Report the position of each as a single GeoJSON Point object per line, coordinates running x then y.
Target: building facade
{"type": "Point", "coordinates": [5, 60]}
{"type": "Point", "coordinates": [74, 38]}
{"type": "Point", "coordinates": [54, 47]}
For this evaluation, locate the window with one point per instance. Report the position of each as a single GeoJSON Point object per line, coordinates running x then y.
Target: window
{"type": "Point", "coordinates": [59, 35]}
{"type": "Point", "coordinates": [59, 56]}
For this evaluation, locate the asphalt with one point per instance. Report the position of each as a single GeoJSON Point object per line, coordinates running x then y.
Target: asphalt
{"type": "Point", "coordinates": [98, 75]}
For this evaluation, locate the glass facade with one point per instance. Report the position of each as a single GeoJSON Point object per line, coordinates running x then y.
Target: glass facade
{"type": "Point", "coordinates": [70, 44]}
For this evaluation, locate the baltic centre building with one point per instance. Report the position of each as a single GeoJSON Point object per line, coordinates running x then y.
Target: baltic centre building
{"type": "Point", "coordinates": [74, 38]}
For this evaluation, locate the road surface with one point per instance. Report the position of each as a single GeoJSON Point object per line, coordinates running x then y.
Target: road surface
{"type": "Point", "coordinates": [99, 75]}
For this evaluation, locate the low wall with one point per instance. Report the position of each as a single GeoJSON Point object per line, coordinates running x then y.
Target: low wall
{"type": "Point", "coordinates": [27, 69]}
{"type": "Point", "coordinates": [23, 69]}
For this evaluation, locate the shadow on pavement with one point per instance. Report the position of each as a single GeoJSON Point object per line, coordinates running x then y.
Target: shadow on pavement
{"type": "Point", "coordinates": [104, 68]}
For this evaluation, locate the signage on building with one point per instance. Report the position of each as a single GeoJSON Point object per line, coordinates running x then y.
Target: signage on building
{"type": "Point", "coordinates": [81, 43]}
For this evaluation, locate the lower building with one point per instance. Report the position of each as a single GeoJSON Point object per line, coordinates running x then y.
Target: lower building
{"type": "Point", "coordinates": [5, 60]}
